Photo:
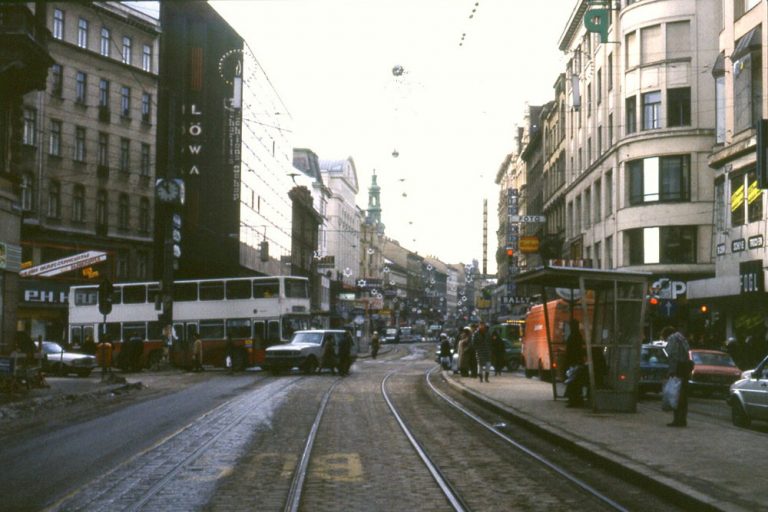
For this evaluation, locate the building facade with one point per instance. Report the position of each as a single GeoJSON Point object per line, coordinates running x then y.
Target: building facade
{"type": "Point", "coordinates": [87, 170]}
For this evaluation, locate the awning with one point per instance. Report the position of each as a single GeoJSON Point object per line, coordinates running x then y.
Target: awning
{"type": "Point", "coordinates": [750, 42]}
{"type": "Point", "coordinates": [569, 277]}
{"type": "Point", "coordinates": [718, 68]}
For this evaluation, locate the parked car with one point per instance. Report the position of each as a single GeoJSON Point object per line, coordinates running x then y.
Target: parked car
{"type": "Point", "coordinates": [58, 360]}
{"type": "Point", "coordinates": [654, 368]}
{"type": "Point", "coordinates": [714, 371]}
{"type": "Point", "coordinates": [748, 396]}
{"type": "Point", "coordinates": [390, 335]}
{"type": "Point", "coordinates": [304, 350]}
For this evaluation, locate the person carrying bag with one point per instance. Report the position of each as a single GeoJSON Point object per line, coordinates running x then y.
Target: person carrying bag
{"type": "Point", "coordinates": [675, 395]}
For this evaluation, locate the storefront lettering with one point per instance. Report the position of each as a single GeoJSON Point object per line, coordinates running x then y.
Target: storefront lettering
{"type": "Point", "coordinates": [751, 276]}
{"type": "Point", "coordinates": [45, 296]}
{"type": "Point", "coordinates": [755, 242]}
{"type": "Point", "coordinates": [738, 245]}
{"type": "Point", "coordinates": [194, 130]}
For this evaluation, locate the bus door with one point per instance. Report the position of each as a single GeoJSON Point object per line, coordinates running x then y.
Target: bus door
{"type": "Point", "coordinates": [259, 341]}
{"type": "Point", "coordinates": [184, 336]}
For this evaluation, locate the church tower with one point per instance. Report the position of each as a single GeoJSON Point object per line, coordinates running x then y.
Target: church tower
{"type": "Point", "coordinates": [373, 216]}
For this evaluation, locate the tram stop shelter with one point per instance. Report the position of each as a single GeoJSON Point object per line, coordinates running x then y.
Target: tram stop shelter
{"type": "Point", "coordinates": [613, 310]}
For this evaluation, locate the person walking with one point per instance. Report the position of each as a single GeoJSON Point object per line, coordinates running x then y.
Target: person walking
{"type": "Point", "coordinates": [497, 353]}
{"type": "Point", "coordinates": [463, 348]}
{"type": "Point", "coordinates": [482, 348]}
{"type": "Point", "coordinates": [229, 350]}
{"type": "Point", "coordinates": [197, 354]}
{"type": "Point", "coordinates": [375, 343]}
{"type": "Point", "coordinates": [328, 359]}
{"type": "Point", "coordinates": [345, 354]}
{"type": "Point", "coordinates": [680, 366]}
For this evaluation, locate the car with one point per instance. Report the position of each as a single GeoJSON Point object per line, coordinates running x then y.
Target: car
{"type": "Point", "coordinates": [390, 335]}
{"type": "Point", "coordinates": [748, 396]}
{"type": "Point", "coordinates": [58, 360]}
{"type": "Point", "coordinates": [407, 335]}
{"type": "Point", "coordinates": [713, 372]}
{"type": "Point", "coordinates": [304, 350]}
{"type": "Point", "coordinates": [654, 368]}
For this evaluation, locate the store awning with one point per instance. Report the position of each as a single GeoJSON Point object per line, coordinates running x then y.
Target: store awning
{"type": "Point", "coordinates": [750, 42]}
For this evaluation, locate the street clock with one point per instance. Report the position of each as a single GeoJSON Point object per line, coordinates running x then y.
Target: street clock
{"type": "Point", "coordinates": [169, 191]}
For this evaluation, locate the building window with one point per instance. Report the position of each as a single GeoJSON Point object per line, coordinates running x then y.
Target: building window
{"type": "Point", "coordinates": [608, 193]}
{"type": "Point", "coordinates": [58, 24]}
{"type": "Point", "coordinates": [599, 141]}
{"type": "Point", "coordinates": [720, 108]}
{"type": "Point", "coordinates": [142, 265]}
{"type": "Point", "coordinates": [101, 209]}
{"type": "Point", "coordinates": [144, 215]}
{"type": "Point", "coordinates": [631, 110]}
{"type": "Point", "coordinates": [78, 203]}
{"type": "Point", "coordinates": [609, 252]}
{"type": "Point", "coordinates": [587, 209]}
{"type": "Point", "coordinates": [125, 155]}
{"type": "Point", "coordinates": [125, 101]}
{"type": "Point", "coordinates": [651, 49]}
{"type": "Point", "coordinates": [126, 50]}
{"type": "Point", "coordinates": [678, 39]}
{"type": "Point", "coordinates": [27, 192]}
{"type": "Point", "coordinates": [79, 155]}
{"type": "Point", "coordinates": [104, 93]}
{"type": "Point", "coordinates": [146, 58]}
{"type": "Point", "coordinates": [599, 86]}
{"type": "Point", "coordinates": [609, 142]}
{"type": "Point", "coordinates": [54, 145]}
{"type": "Point", "coordinates": [123, 212]}
{"type": "Point", "coordinates": [82, 33]}
{"type": "Point", "coordinates": [632, 56]}
{"type": "Point", "coordinates": [589, 100]}
{"type": "Point", "coordinates": [747, 90]}
{"type": "Point", "coordinates": [54, 199]}
{"type": "Point", "coordinates": [81, 82]}
{"type": "Point", "coordinates": [659, 179]}
{"type": "Point", "coordinates": [667, 245]}
{"type": "Point", "coordinates": [652, 110]}
{"type": "Point", "coordinates": [146, 107]}
{"type": "Point", "coordinates": [598, 255]}
{"type": "Point", "coordinates": [720, 208]}
{"type": "Point", "coordinates": [57, 80]}
{"type": "Point", "coordinates": [29, 136]}
{"type": "Point", "coordinates": [679, 107]}
{"type": "Point", "coordinates": [746, 199]}
{"type": "Point", "coordinates": [598, 197]}
{"type": "Point", "coordinates": [740, 7]}
{"type": "Point", "coordinates": [103, 149]}
{"type": "Point", "coordinates": [105, 43]}
{"type": "Point", "coordinates": [145, 161]}
{"type": "Point", "coordinates": [609, 76]}
{"type": "Point", "coordinates": [577, 217]}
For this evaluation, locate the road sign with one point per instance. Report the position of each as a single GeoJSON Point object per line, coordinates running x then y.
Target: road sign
{"type": "Point", "coordinates": [53, 268]}
{"type": "Point", "coordinates": [527, 218]}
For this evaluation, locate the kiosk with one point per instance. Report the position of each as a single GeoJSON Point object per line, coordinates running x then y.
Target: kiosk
{"type": "Point", "coordinates": [613, 329]}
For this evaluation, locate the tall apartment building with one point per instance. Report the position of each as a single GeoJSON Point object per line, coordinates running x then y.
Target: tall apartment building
{"type": "Point", "coordinates": [87, 172]}
{"type": "Point", "coordinates": [735, 297]}
{"type": "Point", "coordinates": [639, 131]}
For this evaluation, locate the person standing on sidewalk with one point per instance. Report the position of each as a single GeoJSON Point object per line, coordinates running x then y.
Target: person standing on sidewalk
{"type": "Point", "coordinates": [197, 354]}
{"type": "Point", "coordinates": [483, 351]}
{"type": "Point", "coordinates": [497, 353]}
{"type": "Point", "coordinates": [104, 356]}
{"type": "Point", "coordinates": [680, 366]}
{"type": "Point", "coordinates": [445, 352]}
{"type": "Point", "coordinates": [375, 343]}
{"type": "Point", "coordinates": [575, 354]}
{"type": "Point", "coordinates": [463, 348]}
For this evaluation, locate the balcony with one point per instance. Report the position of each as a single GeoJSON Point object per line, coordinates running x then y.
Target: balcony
{"type": "Point", "coordinates": [25, 59]}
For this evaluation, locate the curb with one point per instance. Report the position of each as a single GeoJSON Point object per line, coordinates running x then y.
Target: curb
{"type": "Point", "coordinates": [675, 491]}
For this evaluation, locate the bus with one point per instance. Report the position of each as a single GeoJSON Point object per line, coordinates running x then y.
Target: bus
{"type": "Point", "coordinates": [255, 312]}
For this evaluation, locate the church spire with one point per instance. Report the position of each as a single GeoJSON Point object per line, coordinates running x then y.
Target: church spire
{"type": "Point", "coordinates": [374, 204]}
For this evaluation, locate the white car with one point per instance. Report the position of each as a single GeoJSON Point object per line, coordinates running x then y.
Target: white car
{"type": "Point", "coordinates": [305, 350]}
{"type": "Point", "coordinates": [57, 360]}
{"type": "Point", "coordinates": [748, 396]}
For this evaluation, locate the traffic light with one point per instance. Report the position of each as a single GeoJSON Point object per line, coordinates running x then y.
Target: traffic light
{"type": "Point", "coordinates": [105, 297]}
{"type": "Point", "coordinates": [704, 309]}
{"type": "Point", "coordinates": [653, 305]}
{"type": "Point", "coordinates": [511, 257]}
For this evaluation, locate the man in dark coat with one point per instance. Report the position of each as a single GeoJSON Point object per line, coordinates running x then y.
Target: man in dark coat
{"type": "Point", "coordinates": [681, 366]}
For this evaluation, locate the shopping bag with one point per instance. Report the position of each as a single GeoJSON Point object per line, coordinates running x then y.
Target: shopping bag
{"type": "Point", "coordinates": [670, 394]}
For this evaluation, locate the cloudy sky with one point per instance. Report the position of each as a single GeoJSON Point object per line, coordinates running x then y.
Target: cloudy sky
{"type": "Point", "coordinates": [450, 116]}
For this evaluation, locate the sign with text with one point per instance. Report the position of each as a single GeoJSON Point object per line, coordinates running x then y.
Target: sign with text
{"type": "Point", "coordinates": [751, 278]}
{"type": "Point", "coordinates": [527, 218]}
{"type": "Point", "coordinates": [53, 268]}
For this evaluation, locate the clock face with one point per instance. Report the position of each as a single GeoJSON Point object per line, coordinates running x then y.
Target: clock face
{"type": "Point", "coordinates": [168, 190]}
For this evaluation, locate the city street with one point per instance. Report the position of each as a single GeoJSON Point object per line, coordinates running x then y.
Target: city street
{"type": "Point", "coordinates": [255, 441]}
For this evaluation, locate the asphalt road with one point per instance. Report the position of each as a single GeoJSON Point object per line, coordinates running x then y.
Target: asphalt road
{"type": "Point", "coordinates": [41, 467]}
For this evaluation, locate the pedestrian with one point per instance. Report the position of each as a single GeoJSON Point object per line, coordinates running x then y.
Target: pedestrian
{"type": "Point", "coordinates": [482, 351]}
{"type": "Point", "coordinates": [575, 353]}
{"type": "Point", "coordinates": [375, 343]}
{"type": "Point", "coordinates": [229, 350]}
{"type": "Point", "coordinates": [497, 352]}
{"type": "Point", "coordinates": [197, 354]}
{"type": "Point", "coordinates": [445, 352]}
{"type": "Point", "coordinates": [345, 353]}
{"type": "Point", "coordinates": [104, 356]}
{"type": "Point", "coordinates": [680, 366]}
{"type": "Point", "coordinates": [463, 348]}
{"type": "Point", "coordinates": [470, 354]}
{"type": "Point", "coordinates": [328, 358]}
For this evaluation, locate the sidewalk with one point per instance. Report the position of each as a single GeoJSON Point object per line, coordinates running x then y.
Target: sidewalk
{"type": "Point", "coordinates": [715, 465]}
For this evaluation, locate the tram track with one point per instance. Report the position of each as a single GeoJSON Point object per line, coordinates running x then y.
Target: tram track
{"type": "Point", "coordinates": [492, 451]}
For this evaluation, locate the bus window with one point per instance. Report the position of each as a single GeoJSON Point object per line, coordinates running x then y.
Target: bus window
{"type": "Point", "coordinates": [87, 296]}
{"type": "Point", "coordinates": [239, 289]}
{"type": "Point", "coordinates": [76, 336]}
{"type": "Point", "coordinates": [266, 288]}
{"type": "Point", "coordinates": [258, 334]}
{"type": "Point", "coordinates": [239, 328]}
{"type": "Point", "coordinates": [134, 330]}
{"type": "Point", "coordinates": [113, 331]}
{"type": "Point", "coordinates": [154, 330]}
{"type": "Point", "coordinates": [294, 323]}
{"type": "Point", "coordinates": [212, 329]}
{"type": "Point", "coordinates": [134, 294]}
{"type": "Point", "coordinates": [184, 291]}
{"type": "Point", "coordinates": [296, 289]}
{"type": "Point", "coordinates": [273, 331]}
{"type": "Point", "coordinates": [211, 290]}
{"type": "Point", "coordinates": [153, 293]}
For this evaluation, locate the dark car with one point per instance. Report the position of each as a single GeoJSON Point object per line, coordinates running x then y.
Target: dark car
{"type": "Point", "coordinates": [654, 368]}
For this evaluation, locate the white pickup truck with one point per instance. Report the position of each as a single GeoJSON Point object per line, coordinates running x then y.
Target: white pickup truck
{"type": "Point", "coordinates": [305, 350]}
